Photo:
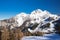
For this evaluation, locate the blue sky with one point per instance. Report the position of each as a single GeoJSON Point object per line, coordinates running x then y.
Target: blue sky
{"type": "Point", "coordinates": [9, 8]}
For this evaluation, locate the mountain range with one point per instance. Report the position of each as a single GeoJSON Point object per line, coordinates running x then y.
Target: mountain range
{"type": "Point", "coordinates": [38, 22]}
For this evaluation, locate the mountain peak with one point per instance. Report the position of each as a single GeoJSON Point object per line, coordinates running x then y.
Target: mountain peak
{"type": "Point", "coordinates": [37, 11]}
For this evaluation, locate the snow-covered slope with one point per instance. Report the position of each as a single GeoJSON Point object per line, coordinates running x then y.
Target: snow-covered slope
{"type": "Point", "coordinates": [37, 16]}
{"type": "Point", "coordinates": [45, 37]}
{"type": "Point", "coordinates": [20, 18]}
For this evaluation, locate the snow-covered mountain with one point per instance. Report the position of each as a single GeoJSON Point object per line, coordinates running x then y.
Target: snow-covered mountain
{"type": "Point", "coordinates": [38, 16]}
{"type": "Point", "coordinates": [35, 16]}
